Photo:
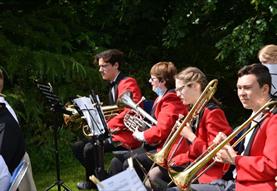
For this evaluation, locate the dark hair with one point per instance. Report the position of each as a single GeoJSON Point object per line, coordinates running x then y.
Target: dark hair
{"type": "Point", "coordinates": [165, 71]}
{"type": "Point", "coordinates": [260, 71]}
{"type": "Point", "coordinates": [110, 56]}
{"type": "Point", "coordinates": [1, 74]}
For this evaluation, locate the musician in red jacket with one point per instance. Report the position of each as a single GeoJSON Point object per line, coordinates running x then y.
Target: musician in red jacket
{"type": "Point", "coordinates": [166, 110]}
{"type": "Point", "coordinates": [256, 165]}
{"type": "Point", "coordinates": [199, 135]}
{"type": "Point", "coordinates": [109, 63]}
{"type": "Point", "coordinates": [87, 151]}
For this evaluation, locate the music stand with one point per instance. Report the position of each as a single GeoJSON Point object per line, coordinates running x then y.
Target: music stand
{"type": "Point", "coordinates": [98, 130]}
{"type": "Point", "coordinates": [56, 107]}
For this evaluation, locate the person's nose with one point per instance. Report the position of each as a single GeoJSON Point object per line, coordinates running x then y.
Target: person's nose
{"type": "Point", "coordinates": [241, 93]}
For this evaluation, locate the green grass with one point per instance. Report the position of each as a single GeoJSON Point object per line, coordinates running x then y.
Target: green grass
{"type": "Point", "coordinates": [71, 173]}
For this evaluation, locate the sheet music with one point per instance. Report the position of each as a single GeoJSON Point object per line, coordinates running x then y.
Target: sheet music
{"type": "Point", "coordinates": [127, 180]}
{"type": "Point", "coordinates": [91, 115]}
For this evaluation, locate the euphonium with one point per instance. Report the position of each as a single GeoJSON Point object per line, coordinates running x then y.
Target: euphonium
{"type": "Point", "coordinates": [184, 178]}
{"type": "Point", "coordinates": [161, 156]}
{"type": "Point", "coordinates": [135, 118]}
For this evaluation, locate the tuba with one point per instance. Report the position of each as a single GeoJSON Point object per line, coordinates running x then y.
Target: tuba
{"type": "Point", "coordinates": [161, 156]}
{"type": "Point", "coordinates": [183, 179]}
{"type": "Point", "coordinates": [136, 117]}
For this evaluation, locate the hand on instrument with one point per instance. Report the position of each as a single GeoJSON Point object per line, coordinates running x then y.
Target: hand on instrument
{"type": "Point", "coordinates": [114, 130]}
{"type": "Point", "coordinates": [276, 181]}
{"type": "Point", "coordinates": [219, 138]}
{"type": "Point", "coordinates": [226, 155]}
{"type": "Point", "coordinates": [188, 133]}
{"type": "Point", "coordinates": [139, 135]}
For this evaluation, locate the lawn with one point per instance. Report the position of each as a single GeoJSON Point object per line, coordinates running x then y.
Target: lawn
{"type": "Point", "coordinates": [70, 174]}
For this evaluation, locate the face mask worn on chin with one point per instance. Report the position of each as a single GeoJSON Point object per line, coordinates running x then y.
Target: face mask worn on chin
{"type": "Point", "coordinates": [159, 91]}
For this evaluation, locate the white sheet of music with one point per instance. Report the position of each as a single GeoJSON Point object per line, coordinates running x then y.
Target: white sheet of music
{"type": "Point", "coordinates": [91, 115]}
{"type": "Point", "coordinates": [127, 180]}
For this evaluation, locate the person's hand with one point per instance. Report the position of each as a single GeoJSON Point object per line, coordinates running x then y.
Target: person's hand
{"type": "Point", "coordinates": [226, 155]}
{"type": "Point", "coordinates": [188, 133]}
{"type": "Point", "coordinates": [219, 138]}
{"type": "Point", "coordinates": [276, 181]}
{"type": "Point", "coordinates": [139, 135]}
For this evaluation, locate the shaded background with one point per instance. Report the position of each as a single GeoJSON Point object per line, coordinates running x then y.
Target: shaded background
{"type": "Point", "coordinates": [55, 40]}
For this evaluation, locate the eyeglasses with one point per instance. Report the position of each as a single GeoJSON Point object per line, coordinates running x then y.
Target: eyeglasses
{"type": "Point", "coordinates": [104, 66]}
{"type": "Point", "coordinates": [152, 79]}
{"type": "Point", "coordinates": [180, 89]}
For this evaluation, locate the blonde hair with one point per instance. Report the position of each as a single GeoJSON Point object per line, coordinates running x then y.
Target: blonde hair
{"type": "Point", "coordinates": [269, 52]}
{"type": "Point", "coordinates": [193, 74]}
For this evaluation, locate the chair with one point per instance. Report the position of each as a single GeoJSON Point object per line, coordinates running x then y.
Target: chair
{"type": "Point", "coordinates": [27, 183]}
{"type": "Point", "coordinates": [18, 175]}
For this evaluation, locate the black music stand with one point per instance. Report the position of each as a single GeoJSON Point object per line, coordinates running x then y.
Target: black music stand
{"type": "Point", "coordinates": [56, 108]}
{"type": "Point", "coordinates": [99, 140]}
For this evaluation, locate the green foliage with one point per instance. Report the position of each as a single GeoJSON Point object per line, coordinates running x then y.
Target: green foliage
{"type": "Point", "coordinates": [243, 42]}
{"type": "Point", "coordinates": [54, 41]}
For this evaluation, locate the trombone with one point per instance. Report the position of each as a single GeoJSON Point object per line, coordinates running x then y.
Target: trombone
{"type": "Point", "coordinates": [183, 179]}
{"type": "Point", "coordinates": [161, 156]}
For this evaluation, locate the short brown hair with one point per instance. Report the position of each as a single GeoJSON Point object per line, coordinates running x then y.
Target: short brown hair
{"type": "Point", "coordinates": [260, 71]}
{"type": "Point", "coordinates": [165, 71]}
{"type": "Point", "coordinates": [111, 56]}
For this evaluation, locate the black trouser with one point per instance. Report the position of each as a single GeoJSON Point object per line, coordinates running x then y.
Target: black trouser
{"type": "Point", "coordinates": [89, 153]}
{"type": "Point", "coordinates": [142, 163]}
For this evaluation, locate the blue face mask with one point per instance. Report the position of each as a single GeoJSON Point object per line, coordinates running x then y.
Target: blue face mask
{"type": "Point", "coordinates": [159, 91]}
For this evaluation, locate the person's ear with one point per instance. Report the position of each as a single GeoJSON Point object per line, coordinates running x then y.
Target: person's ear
{"type": "Point", "coordinates": [266, 89]}
{"type": "Point", "coordinates": [163, 82]}
{"type": "Point", "coordinates": [116, 65]}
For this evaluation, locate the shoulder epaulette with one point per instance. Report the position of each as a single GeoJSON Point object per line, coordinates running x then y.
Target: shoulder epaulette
{"type": "Point", "coordinates": [212, 105]}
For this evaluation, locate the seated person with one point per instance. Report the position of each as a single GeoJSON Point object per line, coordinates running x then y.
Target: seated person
{"type": "Point", "coordinates": [255, 167]}
{"type": "Point", "coordinates": [109, 63]}
{"type": "Point", "coordinates": [5, 175]}
{"type": "Point", "coordinates": [198, 135]}
{"type": "Point", "coordinates": [166, 110]}
{"type": "Point", "coordinates": [13, 145]}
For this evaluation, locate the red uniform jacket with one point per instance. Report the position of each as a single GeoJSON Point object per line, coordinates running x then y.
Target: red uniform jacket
{"type": "Point", "coordinates": [257, 171]}
{"type": "Point", "coordinates": [212, 121]}
{"type": "Point", "coordinates": [167, 111]}
{"type": "Point", "coordinates": [122, 134]}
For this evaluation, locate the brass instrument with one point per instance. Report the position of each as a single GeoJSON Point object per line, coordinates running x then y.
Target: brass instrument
{"type": "Point", "coordinates": [184, 178]}
{"type": "Point", "coordinates": [161, 156]}
{"type": "Point", "coordinates": [135, 118]}
{"type": "Point", "coordinates": [108, 111]}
